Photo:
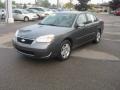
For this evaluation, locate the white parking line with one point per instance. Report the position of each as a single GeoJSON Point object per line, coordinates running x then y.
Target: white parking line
{"type": "Point", "coordinates": [114, 24]}
{"type": "Point", "coordinates": [112, 40]}
{"type": "Point", "coordinates": [112, 33]}
{"type": "Point", "coordinates": [92, 54]}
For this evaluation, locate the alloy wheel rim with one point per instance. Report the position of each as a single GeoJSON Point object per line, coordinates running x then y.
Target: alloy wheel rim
{"type": "Point", "coordinates": [65, 51]}
{"type": "Point", "coordinates": [98, 36]}
{"type": "Point", "coordinates": [26, 19]}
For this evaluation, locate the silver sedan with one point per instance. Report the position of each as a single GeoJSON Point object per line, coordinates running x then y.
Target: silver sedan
{"type": "Point", "coordinates": [21, 14]}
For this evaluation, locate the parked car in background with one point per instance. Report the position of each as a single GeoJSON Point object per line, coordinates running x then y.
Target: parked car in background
{"type": "Point", "coordinates": [54, 10]}
{"type": "Point", "coordinates": [43, 11]}
{"type": "Point", "coordinates": [117, 12]}
{"type": "Point", "coordinates": [22, 14]}
{"type": "Point", "coordinates": [58, 34]}
{"type": "Point", "coordinates": [35, 12]}
{"type": "Point", "coordinates": [2, 13]}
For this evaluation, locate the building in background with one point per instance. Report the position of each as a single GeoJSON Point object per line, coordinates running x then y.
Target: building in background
{"type": "Point", "coordinates": [104, 7]}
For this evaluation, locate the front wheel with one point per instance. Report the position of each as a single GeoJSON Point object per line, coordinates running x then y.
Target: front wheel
{"type": "Point", "coordinates": [26, 19]}
{"type": "Point", "coordinates": [98, 37]}
{"type": "Point", "coordinates": [65, 50]}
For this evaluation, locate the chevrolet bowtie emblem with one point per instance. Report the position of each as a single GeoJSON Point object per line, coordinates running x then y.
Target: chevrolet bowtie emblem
{"type": "Point", "coordinates": [23, 40]}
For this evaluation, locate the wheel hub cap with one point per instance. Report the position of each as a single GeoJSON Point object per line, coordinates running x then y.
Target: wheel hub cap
{"type": "Point", "coordinates": [98, 36]}
{"type": "Point", "coordinates": [65, 51]}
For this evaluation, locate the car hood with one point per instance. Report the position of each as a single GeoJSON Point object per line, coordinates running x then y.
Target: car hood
{"type": "Point", "coordinates": [35, 31]}
{"type": "Point", "coordinates": [30, 14]}
{"type": "Point", "coordinates": [48, 12]}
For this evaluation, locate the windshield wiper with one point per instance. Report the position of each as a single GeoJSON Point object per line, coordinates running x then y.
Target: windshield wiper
{"type": "Point", "coordinates": [47, 24]}
{"type": "Point", "coordinates": [41, 24]}
{"type": "Point", "coordinates": [51, 24]}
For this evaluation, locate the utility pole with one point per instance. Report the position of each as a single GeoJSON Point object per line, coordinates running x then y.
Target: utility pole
{"type": "Point", "coordinates": [102, 1]}
{"type": "Point", "coordinates": [58, 3]}
{"type": "Point", "coordinates": [9, 14]}
{"type": "Point", "coordinates": [35, 2]}
{"type": "Point", "coordinates": [71, 1]}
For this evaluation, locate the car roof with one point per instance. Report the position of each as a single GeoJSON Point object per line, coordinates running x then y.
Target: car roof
{"type": "Point", "coordinates": [73, 12]}
{"type": "Point", "coordinates": [19, 9]}
{"type": "Point", "coordinates": [36, 7]}
{"type": "Point", "coordinates": [30, 9]}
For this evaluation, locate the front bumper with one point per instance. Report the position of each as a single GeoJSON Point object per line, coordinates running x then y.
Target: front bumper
{"type": "Point", "coordinates": [34, 18]}
{"type": "Point", "coordinates": [43, 51]}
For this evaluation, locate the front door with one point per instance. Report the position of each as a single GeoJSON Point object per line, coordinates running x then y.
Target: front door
{"type": "Point", "coordinates": [80, 30]}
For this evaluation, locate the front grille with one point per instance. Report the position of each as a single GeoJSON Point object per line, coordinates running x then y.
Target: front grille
{"type": "Point", "coordinates": [25, 41]}
{"type": "Point", "coordinates": [25, 51]}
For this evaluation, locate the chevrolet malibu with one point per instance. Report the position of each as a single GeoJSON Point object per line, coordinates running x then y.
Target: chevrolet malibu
{"type": "Point", "coordinates": [58, 34]}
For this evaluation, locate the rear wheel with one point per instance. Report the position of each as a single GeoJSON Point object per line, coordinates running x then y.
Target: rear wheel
{"type": "Point", "coordinates": [98, 37]}
{"type": "Point", "coordinates": [26, 19]}
{"type": "Point", "coordinates": [65, 50]}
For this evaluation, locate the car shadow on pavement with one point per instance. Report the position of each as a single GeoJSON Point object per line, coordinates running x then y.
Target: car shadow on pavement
{"type": "Point", "coordinates": [37, 60]}
{"type": "Point", "coordinates": [83, 46]}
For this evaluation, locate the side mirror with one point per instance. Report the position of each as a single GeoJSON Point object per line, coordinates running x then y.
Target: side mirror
{"type": "Point", "coordinates": [82, 25]}
{"type": "Point", "coordinates": [79, 25]}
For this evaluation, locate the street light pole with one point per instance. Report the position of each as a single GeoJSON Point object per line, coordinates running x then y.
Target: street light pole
{"type": "Point", "coordinates": [57, 4]}
{"type": "Point", "coordinates": [71, 1]}
{"type": "Point", "coordinates": [35, 2]}
{"type": "Point", "coordinates": [102, 1]}
{"type": "Point", "coordinates": [9, 15]}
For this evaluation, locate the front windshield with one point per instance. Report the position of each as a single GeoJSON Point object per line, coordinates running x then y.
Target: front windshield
{"type": "Point", "coordinates": [62, 20]}
{"type": "Point", "coordinates": [32, 11]}
{"type": "Point", "coordinates": [25, 11]}
{"type": "Point", "coordinates": [39, 9]}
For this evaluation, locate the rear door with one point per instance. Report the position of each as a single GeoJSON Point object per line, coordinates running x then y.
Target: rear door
{"type": "Point", "coordinates": [91, 27]}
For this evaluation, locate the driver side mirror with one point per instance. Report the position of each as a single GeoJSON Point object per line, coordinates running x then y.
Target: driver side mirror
{"type": "Point", "coordinates": [79, 25]}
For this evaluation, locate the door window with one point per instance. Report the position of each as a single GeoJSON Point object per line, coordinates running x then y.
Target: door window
{"type": "Point", "coordinates": [81, 19]}
{"type": "Point", "coordinates": [90, 18]}
{"type": "Point", "coordinates": [17, 11]}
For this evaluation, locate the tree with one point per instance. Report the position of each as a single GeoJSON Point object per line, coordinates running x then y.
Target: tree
{"type": "Point", "coordinates": [13, 2]}
{"type": "Point", "coordinates": [114, 4]}
{"type": "Point", "coordinates": [1, 4]}
{"type": "Point", "coordinates": [68, 5]}
{"type": "Point", "coordinates": [53, 6]}
{"type": "Point", "coordinates": [44, 3]}
{"type": "Point", "coordinates": [25, 6]}
{"type": "Point", "coordinates": [82, 5]}
{"type": "Point", "coordinates": [29, 3]}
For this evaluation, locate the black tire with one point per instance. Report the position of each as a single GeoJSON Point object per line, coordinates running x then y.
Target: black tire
{"type": "Point", "coordinates": [26, 19]}
{"type": "Point", "coordinates": [61, 56]}
{"type": "Point", "coordinates": [97, 37]}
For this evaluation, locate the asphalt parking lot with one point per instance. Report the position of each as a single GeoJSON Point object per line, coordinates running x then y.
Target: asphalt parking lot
{"type": "Point", "coordinates": [91, 67]}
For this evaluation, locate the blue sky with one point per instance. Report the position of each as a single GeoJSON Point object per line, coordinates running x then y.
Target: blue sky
{"type": "Point", "coordinates": [54, 1]}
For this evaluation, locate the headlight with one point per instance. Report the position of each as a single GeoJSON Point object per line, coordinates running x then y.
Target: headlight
{"type": "Point", "coordinates": [45, 39]}
{"type": "Point", "coordinates": [42, 14]}
{"type": "Point", "coordinates": [16, 34]}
